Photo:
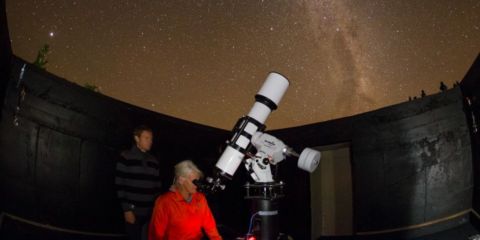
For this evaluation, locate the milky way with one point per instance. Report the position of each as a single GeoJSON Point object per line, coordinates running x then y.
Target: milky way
{"type": "Point", "coordinates": [204, 60]}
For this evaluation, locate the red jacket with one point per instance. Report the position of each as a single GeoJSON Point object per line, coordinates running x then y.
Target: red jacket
{"type": "Point", "coordinates": [175, 219]}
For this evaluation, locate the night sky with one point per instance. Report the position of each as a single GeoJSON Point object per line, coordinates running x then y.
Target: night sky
{"type": "Point", "coordinates": [204, 60]}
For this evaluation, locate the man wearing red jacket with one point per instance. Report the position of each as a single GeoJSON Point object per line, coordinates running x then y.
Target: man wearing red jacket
{"type": "Point", "coordinates": [183, 212]}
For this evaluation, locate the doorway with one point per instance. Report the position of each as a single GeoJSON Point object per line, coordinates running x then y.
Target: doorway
{"type": "Point", "coordinates": [331, 193]}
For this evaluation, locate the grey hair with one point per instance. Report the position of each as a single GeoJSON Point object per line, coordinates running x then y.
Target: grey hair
{"type": "Point", "coordinates": [185, 168]}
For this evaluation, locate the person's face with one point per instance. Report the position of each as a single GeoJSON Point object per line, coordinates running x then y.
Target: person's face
{"type": "Point", "coordinates": [144, 141]}
{"type": "Point", "coordinates": [188, 184]}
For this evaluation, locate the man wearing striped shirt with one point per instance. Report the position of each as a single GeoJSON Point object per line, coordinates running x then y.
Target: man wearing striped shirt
{"type": "Point", "coordinates": [138, 183]}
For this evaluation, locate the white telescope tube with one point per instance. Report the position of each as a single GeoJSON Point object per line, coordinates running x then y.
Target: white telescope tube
{"type": "Point", "coordinates": [273, 90]}
{"type": "Point", "coordinates": [266, 100]}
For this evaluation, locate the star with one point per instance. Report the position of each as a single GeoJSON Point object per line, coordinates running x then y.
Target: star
{"type": "Point", "coordinates": [205, 62]}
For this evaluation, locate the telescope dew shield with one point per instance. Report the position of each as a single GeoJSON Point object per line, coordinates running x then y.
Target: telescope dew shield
{"type": "Point", "coordinates": [266, 100]}
{"type": "Point", "coordinates": [269, 96]}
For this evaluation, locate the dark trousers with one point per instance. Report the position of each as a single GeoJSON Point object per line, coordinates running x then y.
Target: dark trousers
{"type": "Point", "coordinates": [138, 230]}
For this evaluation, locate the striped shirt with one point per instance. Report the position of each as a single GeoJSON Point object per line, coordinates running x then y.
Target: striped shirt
{"type": "Point", "coordinates": [137, 180]}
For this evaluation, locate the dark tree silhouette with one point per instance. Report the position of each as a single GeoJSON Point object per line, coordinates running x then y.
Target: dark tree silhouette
{"type": "Point", "coordinates": [443, 87]}
{"type": "Point", "coordinates": [91, 87]}
{"type": "Point", "coordinates": [41, 60]}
